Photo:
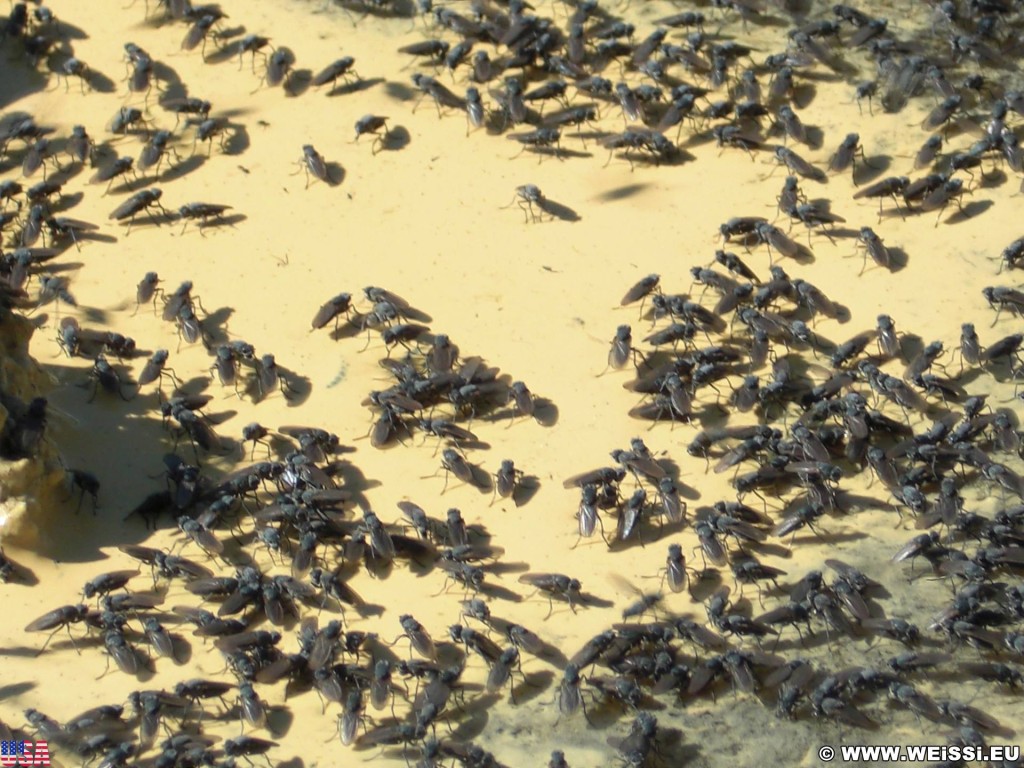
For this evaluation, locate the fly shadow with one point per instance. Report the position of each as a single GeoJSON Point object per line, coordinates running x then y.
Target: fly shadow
{"type": "Point", "coordinates": [355, 86]}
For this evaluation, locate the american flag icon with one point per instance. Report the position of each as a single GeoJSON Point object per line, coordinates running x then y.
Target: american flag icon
{"type": "Point", "coordinates": [23, 753]}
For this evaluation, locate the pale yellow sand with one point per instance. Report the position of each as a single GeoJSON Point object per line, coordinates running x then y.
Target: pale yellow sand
{"type": "Point", "coordinates": [433, 223]}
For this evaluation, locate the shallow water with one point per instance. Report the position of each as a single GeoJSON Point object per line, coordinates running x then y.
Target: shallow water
{"type": "Point", "coordinates": [433, 218]}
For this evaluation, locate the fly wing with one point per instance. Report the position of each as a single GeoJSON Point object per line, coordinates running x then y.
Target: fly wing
{"type": "Point", "coordinates": [642, 288]}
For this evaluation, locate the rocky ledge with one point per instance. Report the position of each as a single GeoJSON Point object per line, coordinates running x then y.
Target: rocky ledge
{"type": "Point", "coordinates": [32, 476]}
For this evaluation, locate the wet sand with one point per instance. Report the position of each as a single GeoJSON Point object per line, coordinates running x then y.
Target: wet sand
{"type": "Point", "coordinates": [432, 218]}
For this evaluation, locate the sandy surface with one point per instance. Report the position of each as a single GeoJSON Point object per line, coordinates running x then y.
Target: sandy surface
{"type": "Point", "coordinates": [432, 218]}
